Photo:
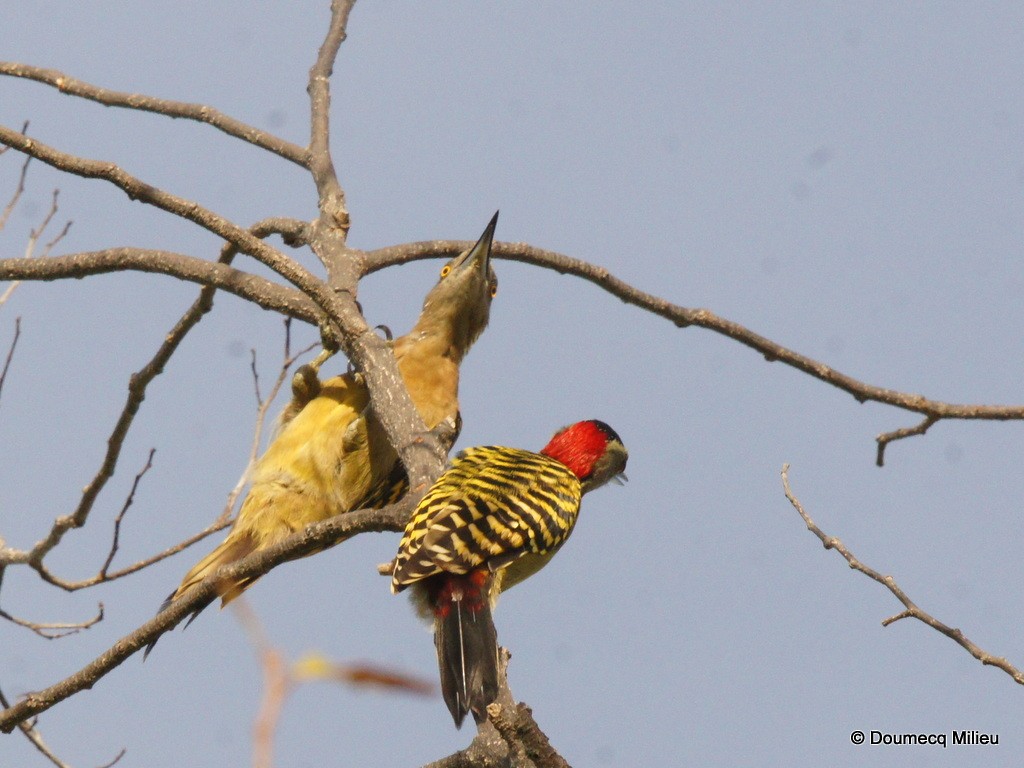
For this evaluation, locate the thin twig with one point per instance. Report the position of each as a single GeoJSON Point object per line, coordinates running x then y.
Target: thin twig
{"type": "Point", "coordinates": [255, 376]}
{"type": "Point", "coordinates": [10, 352]}
{"type": "Point", "coordinates": [912, 611]}
{"type": "Point", "coordinates": [58, 237]}
{"type": "Point", "coordinates": [116, 760]}
{"type": "Point", "coordinates": [261, 412]}
{"type": "Point", "coordinates": [53, 630]}
{"type": "Point", "coordinates": [177, 109]}
{"type": "Point", "coordinates": [19, 190]}
{"type": "Point", "coordinates": [73, 586]}
{"type": "Point", "coordinates": [37, 232]}
{"type": "Point", "coordinates": [50, 630]}
{"type": "Point", "coordinates": [120, 515]}
{"type": "Point", "coordinates": [898, 434]}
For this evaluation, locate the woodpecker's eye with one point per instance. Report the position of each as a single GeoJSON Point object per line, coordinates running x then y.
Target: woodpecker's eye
{"type": "Point", "coordinates": [446, 270]}
{"type": "Point", "coordinates": [494, 290]}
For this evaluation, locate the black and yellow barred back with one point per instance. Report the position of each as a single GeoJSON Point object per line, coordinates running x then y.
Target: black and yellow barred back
{"type": "Point", "coordinates": [494, 507]}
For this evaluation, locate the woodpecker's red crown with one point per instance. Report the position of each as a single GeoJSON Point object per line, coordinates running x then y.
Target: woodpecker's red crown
{"type": "Point", "coordinates": [591, 450]}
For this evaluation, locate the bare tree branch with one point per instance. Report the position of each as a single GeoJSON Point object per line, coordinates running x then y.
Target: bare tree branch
{"type": "Point", "coordinates": [50, 630]}
{"type": "Point", "coordinates": [506, 726]}
{"type": "Point", "coordinates": [313, 538]}
{"type": "Point", "coordinates": [54, 630]}
{"type": "Point", "coordinates": [254, 288]}
{"type": "Point", "coordinates": [321, 164]}
{"type": "Point", "coordinates": [120, 515]}
{"type": "Point", "coordinates": [176, 109]}
{"type": "Point", "coordinates": [420, 451]}
{"type": "Point", "coordinates": [277, 685]}
{"type": "Point", "coordinates": [862, 392]}
{"type": "Point", "coordinates": [37, 232]}
{"type": "Point", "coordinates": [912, 611]}
{"type": "Point", "coordinates": [137, 189]}
{"type": "Point", "coordinates": [274, 297]}
{"type": "Point", "coordinates": [73, 586]}
{"type": "Point", "coordinates": [538, 747]}
{"type": "Point", "coordinates": [509, 737]}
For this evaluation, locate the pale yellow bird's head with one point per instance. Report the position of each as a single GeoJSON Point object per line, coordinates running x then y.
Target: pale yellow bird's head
{"type": "Point", "coordinates": [459, 306]}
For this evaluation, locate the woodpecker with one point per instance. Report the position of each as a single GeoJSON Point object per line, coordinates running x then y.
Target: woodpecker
{"type": "Point", "coordinates": [330, 454]}
{"type": "Point", "coordinates": [495, 517]}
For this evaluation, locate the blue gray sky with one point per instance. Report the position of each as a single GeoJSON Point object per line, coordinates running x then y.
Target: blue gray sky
{"type": "Point", "coordinates": [846, 180]}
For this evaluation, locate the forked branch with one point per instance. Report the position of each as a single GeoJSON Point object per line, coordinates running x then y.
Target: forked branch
{"type": "Point", "coordinates": [911, 610]}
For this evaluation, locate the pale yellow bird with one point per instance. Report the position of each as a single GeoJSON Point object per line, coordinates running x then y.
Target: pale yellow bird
{"type": "Point", "coordinates": [331, 455]}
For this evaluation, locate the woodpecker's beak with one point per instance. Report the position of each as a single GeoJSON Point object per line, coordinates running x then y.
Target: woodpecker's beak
{"type": "Point", "coordinates": [620, 479]}
{"type": "Point", "coordinates": [480, 254]}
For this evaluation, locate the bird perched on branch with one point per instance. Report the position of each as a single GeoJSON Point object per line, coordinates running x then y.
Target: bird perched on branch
{"type": "Point", "coordinates": [331, 454]}
{"type": "Point", "coordinates": [494, 518]}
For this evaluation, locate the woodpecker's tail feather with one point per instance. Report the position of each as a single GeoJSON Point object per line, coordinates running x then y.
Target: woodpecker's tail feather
{"type": "Point", "coordinates": [467, 647]}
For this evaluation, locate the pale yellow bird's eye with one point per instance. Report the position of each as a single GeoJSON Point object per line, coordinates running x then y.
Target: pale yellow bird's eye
{"type": "Point", "coordinates": [445, 270]}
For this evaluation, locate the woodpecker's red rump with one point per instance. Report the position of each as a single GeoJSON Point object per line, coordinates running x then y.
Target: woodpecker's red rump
{"type": "Point", "coordinates": [580, 445]}
{"type": "Point", "coordinates": [448, 589]}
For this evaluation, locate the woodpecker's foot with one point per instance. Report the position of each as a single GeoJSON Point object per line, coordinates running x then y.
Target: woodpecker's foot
{"type": "Point", "coordinates": [386, 569]}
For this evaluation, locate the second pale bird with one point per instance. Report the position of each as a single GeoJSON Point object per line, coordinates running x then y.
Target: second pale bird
{"type": "Point", "coordinates": [331, 454]}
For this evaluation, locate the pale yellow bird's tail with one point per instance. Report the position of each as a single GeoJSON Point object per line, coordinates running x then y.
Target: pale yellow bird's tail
{"type": "Point", "coordinates": [232, 549]}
